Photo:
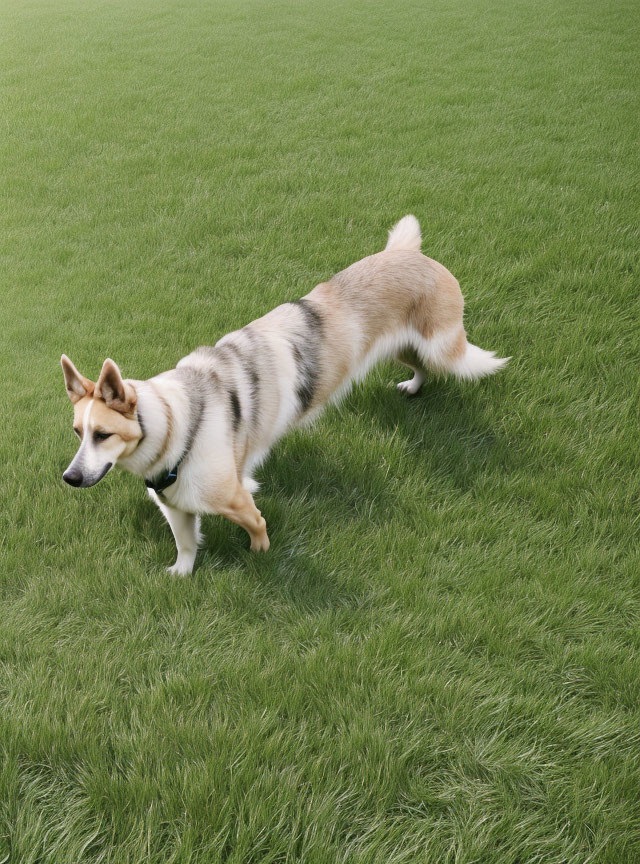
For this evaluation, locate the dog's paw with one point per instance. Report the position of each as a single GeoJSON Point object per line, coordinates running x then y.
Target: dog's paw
{"type": "Point", "coordinates": [182, 567]}
{"type": "Point", "coordinates": [409, 387]}
{"type": "Point", "coordinates": [260, 543]}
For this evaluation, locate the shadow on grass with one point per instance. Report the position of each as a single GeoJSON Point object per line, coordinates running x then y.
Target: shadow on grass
{"type": "Point", "coordinates": [289, 574]}
{"type": "Point", "coordinates": [443, 435]}
{"type": "Point", "coordinates": [447, 431]}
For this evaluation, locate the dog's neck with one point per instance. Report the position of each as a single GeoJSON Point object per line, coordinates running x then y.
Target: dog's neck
{"type": "Point", "coordinates": [161, 416]}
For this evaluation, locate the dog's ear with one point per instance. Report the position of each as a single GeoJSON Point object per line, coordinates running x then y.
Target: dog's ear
{"type": "Point", "coordinates": [77, 385]}
{"type": "Point", "coordinates": [116, 393]}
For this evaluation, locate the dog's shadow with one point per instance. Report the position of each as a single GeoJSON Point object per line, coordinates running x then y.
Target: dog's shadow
{"type": "Point", "coordinates": [445, 436]}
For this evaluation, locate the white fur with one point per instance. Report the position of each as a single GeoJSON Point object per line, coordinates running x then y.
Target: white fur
{"type": "Point", "coordinates": [286, 386]}
{"type": "Point", "coordinates": [412, 385]}
{"type": "Point", "coordinates": [405, 235]}
{"type": "Point", "coordinates": [211, 455]}
{"type": "Point", "coordinates": [476, 363]}
{"type": "Point", "coordinates": [185, 528]}
{"type": "Point", "coordinates": [386, 346]}
{"type": "Point", "coordinates": [431, 351]}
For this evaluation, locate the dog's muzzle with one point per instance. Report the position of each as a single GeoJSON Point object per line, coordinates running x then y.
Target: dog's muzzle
{"type": "Point", "coordinates": [75, 477]}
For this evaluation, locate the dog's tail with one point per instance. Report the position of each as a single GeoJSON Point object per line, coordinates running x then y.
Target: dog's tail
{"type": "Point", "coordinates": [405, 236]}
{"type": "Point", "coordinates": [476, 363]}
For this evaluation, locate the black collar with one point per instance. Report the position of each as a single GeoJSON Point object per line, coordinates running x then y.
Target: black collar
{"type": "Point", "coordinates": [160, 483]}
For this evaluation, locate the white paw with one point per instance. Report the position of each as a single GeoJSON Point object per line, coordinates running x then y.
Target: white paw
{"type": "Point", "coordinates": [410, 387]}
{"type": "Point", "coordinates": [178, 571]}
{"type": "Point", "coordinates": [183, 566]}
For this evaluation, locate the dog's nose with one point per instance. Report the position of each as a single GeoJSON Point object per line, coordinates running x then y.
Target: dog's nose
{"type": "Point", "coordinates": [72, 476]}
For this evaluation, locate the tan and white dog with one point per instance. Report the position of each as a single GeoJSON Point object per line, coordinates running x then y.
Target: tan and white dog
{"type": "Point", "coordinates": [196, 433]}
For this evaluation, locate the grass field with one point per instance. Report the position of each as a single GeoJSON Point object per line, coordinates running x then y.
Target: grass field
{"type": "Point", "coordinates": [439, 658]}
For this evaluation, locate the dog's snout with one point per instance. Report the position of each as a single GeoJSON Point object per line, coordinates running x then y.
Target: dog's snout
{"type": "Point", "coordinates": [72, 476]}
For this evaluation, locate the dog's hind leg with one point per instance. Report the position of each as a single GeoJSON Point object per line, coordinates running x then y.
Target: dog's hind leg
{"type": "Point", "coordinates": [440, 339]}
{"type": "Point", "coordinates": [447, 352]}
{"type": "Point", "coordinates": [186, 532]}
{"type": "Point", "coordinates": [409, 357]}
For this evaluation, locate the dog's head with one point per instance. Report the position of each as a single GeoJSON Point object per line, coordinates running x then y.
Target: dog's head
{"type": "Point", "coordinates": [104, 419]}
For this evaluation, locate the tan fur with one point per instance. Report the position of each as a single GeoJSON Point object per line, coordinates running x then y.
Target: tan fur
{"type": "Point", "coordinates": [458, 348]}
{"type": "Point", "coordinates": [338, 342]}
{"type": "Point", "coordinates": [241, 509]}
{"type": "Point", "coordinates": [105, 419]}
{"type": "Point", "coordinates": [118, 394]}
{"type": "Point", "coordinates": [394, 289]}
{"type": "Point", "coordinates": [77, 385]}
{"type": "Point", "coordinates": [79, 407]}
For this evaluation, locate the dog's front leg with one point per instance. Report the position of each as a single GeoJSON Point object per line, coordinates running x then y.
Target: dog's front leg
{"type": "Point", "coordinates": [241, 509]}
{"type": "Point", "coordinates": [186, 531]}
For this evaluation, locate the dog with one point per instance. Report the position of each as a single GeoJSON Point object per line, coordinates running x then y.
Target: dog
{"type": "Point", "coordinates": [197, 432]}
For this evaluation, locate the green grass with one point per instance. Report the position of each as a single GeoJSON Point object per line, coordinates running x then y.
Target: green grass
{"type": "Point", "coordinates": [439, 658]}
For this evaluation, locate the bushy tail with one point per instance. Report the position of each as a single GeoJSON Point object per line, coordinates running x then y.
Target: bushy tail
{"type": "Point", "coordinates": [405, 236]}
{"type": "Point", "coordinates": [476, 363]}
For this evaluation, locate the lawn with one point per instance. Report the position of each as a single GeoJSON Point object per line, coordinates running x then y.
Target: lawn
{"type": "Point", "coordinates": [439, 659]}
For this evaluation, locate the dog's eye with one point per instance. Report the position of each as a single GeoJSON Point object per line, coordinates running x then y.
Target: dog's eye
{"type": "Point", "coordinates": [78, 432]}
{"type": "Point", "coordinates": [101, 436]}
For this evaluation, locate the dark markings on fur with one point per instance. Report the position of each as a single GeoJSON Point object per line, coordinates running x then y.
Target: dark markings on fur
{"type": "Point", "coordinates": [227, 347]}
{"type": "Point", "coordinates": [307, 376]}
{"type": "Point", "coordinates": [197, 385]}
{"type": "Point", "coordinates": [250, 369]}
{"type": "Point", "coordinates": [235, 409]}
{"type": "Point", "coordinates": [306, 353]}
{"type": "Point", "coordinates": [197, 412]}
{"type": "Point", "coordinates": [313, 316]}
{"type": "Point", "coordinates": [141, 425]}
